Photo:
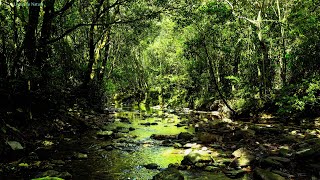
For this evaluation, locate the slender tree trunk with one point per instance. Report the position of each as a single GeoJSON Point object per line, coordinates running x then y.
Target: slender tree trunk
{"type": "Point", "coordinates": [43, 52]}
{"type": "Point", "coordinates": [3, 60]}
{"type": "Point", "coordinates": [266, 70]}
{"type": "Point", "coordinates": [15, 31]}
{"type": "Point", "coordinates": [30, 37]}
{"type": "Point", "coordinates": [91, 56]}
{"type": "Point", "coordinates": [101, 72]}
{"type": "Point", "coordinates": [213, 78]}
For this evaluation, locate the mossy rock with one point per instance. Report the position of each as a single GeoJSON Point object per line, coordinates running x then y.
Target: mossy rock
{"type": "Point", "coordinates": [169, 174]}
{"type": "Point", "coordinates": [266, 175]}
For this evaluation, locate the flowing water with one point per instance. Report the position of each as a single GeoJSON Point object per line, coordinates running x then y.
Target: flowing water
{"type": "Point", "coordinates": [127, 162]}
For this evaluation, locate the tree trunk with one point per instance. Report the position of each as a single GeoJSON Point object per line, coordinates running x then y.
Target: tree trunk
{"type": "Point", "coordinates": [266, 70]}
{"type": "Point", "coordinates": [30, 41]}
{"type": "Point", "coordinates": [91, 57]}
{"type": "Point", "coordinates": [102, 70]}
{"type": "Point", "coordinates": [43, 52]}
{"type": "Point", "coordinates": [213, 78]}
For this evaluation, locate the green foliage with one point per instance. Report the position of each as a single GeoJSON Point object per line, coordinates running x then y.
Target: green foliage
{"type": "Point", "coordinates": [300, 98]}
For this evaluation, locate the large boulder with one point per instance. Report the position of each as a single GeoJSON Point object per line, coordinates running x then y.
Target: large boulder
{"type": "Point", "coordinates": [185, 136]}
{"type": "Point", "coordinates": [170, 173]}
{"type": "Point", "coordinates": [196, 156]}
{"type": "Point", "coordinates": [244, 157]}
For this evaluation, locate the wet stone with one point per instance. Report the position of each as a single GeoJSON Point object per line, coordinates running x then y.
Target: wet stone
{"type": "Point", "coordinates": [152, 166]}
{"type": "Point", "coordinates": [196, 156]}
{"type": "Point", "coordinates": [146, 124]}
{"type": "Point", "coordinates": [162, 137]}
{"type": "Point", "coordinates": [185, 136]}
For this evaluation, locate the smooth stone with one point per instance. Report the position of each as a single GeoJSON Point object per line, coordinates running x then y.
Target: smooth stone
{"type": "Point", "coordinates": [196, 156]}
{"type": "Point", "coordinates": [244, 157]}
{"type": "Point", "coordinates": [185, 136]}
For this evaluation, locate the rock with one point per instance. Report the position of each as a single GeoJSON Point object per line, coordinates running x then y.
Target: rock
{"type": "Point", "coordinates": [120, 135]}
{"type": "Point", "coordinates": [125, 120]}
{"type": "Point", "coordinates": [180, 125]}
{"type": "Point", "coordinates": [15, 145]}
{"type": "Point", "coordinates": [121, 129]}
{"type": "Point", "coordinates": [266, 175]}
{"type": "Point", "coordinates": [152, 166]}
{"type": "Point", "coordinates": [185, 136]}
{"type": "Point", "coordinates": [208, 138]}
{"type": "Point", "coordinates": [244, 157]}
{"type": "Point", "coordinates": [200, 165]}
{"type": "Point", "coordinates": [80, 156]}
{"type": "Point", "coordinates": [212, 169]}
{"type": "Point", "coordinates": [192, 145]}
{"type": "Point", "coordinates": [169, 174]}
{"type": "Point", "coordinates": [313, 151]}
{"type": "Point", "coordinates": [196, 156]}
{"type": "Point", "coordinates": [162, 136]}
{"type": "Point", "coordinates": [280, 159]}
{"type": "Point", "coordinates": [215, 115]}
{"type": "Point", "coordinates": [234, 173]}
{"type": "Point", "coordinates": [53, 173]}
{"type": "Point", "coordinates": [285, 152]}
{"type": "Point", "coordinates": [177, 145]}
{"type": "Point", "coordinates": [166, 142]}
{"type": "Point", "coordinates": [58, 162]}
{"type": "Point", "coordinates": [109, 147]}
{"type": "Point", "coordinates": [104, 133]}
{"type": "Point", "coordinates": [146, 124]}
{"type": "Point", "coordinates": [131, 129]}
{"type": "Point", "coordinates": [271, 162]}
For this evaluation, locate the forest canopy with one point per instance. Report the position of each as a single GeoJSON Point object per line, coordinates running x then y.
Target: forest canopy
{"type": "Point", "coordinates": [256, 56]}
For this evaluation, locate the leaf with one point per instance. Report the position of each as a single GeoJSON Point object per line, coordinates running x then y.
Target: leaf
{"type": "Point", "coordinates": [15, 145]}
{"type": "Point", "coordinates": [47, 143]}
{"type": "Point", "coordinates": [23, 165]}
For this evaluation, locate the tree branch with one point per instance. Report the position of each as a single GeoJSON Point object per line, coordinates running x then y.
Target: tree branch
{"type": "Point", "coordinates": [128, 21]}
{"type": "Point", "coordinates": [65, 8]}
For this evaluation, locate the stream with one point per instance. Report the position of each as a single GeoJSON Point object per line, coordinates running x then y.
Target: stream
{"type": "Point", "coordinates": [121, 147]}
{"type": "Point", "coordinates": [125, 157]}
